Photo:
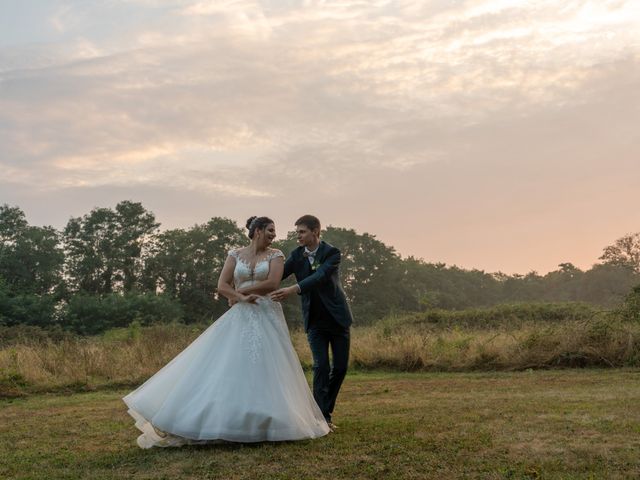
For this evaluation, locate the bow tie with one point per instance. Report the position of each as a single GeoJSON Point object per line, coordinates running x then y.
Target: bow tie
{"type": "Point", "coordinates": [307, 254]}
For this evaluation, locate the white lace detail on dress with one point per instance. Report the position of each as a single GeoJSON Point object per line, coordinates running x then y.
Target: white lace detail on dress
{"type": "Point", "coordinates": [275, 253]}
{"type": "Point", "coordinates": [244, 275]}
{"type": "Point", "coordinates": [251, 335]}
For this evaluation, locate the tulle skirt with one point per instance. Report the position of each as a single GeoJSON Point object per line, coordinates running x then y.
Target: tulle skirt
{"type": "Point", "coordinates": [239, 381]}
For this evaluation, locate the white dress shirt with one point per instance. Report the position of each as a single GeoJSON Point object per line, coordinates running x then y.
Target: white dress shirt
{"type": "Point", "coordinates": [311, 257]}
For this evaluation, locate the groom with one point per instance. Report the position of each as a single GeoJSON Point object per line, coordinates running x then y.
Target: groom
{"type": "Point", "coordinates": [327, 316]}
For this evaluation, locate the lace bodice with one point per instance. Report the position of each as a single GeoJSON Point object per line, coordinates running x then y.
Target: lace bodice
{"type": "Point", "coordinates": [244, 275]}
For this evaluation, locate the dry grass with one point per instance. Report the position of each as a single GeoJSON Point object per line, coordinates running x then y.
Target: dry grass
{"type": "Point", "coordinates": [119, 358]}
{"type": "Point", "coordinates": [129, 356]}
{"type": "Point", "coordinates": [602, 343]}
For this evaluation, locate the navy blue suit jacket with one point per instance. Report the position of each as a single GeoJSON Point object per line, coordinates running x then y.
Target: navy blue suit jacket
{"type": "Point", "coordinates": [324, 280]}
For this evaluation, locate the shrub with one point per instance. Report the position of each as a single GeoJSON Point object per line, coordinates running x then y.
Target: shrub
{"type": "Point", "coordinates": [504, 316]}
{"type": "Point", "coordinates": [28, 309]}
{"type": "Point", "coordinates": [630, 309]}
{"type": "Point", "coordinates": [90, 315]}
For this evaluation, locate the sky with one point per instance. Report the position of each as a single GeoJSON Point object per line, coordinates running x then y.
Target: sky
{"type": "Point", "coordinates": [491, 134]}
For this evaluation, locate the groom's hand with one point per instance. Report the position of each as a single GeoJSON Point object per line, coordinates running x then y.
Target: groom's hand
{"type": "Point", "coordinates": [283, 293]}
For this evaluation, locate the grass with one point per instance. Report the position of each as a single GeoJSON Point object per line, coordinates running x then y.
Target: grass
{"type": "Point", "coordinates": [563, 424]}
{"type": "Point", "coordinates": [127, 356]}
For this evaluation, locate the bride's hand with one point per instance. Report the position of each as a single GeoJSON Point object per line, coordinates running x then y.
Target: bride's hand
{"type": "Point", "coordinates": [252, 298]}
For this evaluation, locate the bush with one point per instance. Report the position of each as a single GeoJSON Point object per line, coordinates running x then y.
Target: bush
{"type": "Point", "coordinates": [630, 309]}
{"type": "Point", "coordinates": [90, 314]}
{"type": "Point", "coordinates": [508, 316]}
{"type": "Point", "coordinates": [27, 309]}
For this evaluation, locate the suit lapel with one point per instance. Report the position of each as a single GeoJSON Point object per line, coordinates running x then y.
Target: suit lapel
{"type": "Point", "coordinates": [306, 266]}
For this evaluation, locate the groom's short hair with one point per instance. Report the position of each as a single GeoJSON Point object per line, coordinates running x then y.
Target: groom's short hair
{"type": "Point", "coordinates": [309, 221]}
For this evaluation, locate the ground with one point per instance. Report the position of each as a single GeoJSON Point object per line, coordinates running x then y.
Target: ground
{"type": "Point", "coordinates": [568, 424]}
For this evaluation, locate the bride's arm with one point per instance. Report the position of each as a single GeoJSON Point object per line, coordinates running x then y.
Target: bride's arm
{"type": "Point", "coordinates": [272, 282]}
{"type": "Point", "coordinates": [225, 282]}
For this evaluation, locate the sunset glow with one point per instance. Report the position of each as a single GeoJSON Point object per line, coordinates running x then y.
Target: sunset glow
{"type": "Point", "coordinates": [499, 135]}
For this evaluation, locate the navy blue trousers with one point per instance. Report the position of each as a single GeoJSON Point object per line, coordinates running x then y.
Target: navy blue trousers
{"type": "Point", "coordinates": [327, 377]}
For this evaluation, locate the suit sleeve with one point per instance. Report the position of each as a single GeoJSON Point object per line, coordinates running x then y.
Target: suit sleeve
{"type": "Point", "coordinates": [323, 273]}
{"type": "Point", "coordinates": [288, 266]}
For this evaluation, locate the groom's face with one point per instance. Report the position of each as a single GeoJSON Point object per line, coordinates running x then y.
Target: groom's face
{"type": "Point", "coordinates": [306, 237]}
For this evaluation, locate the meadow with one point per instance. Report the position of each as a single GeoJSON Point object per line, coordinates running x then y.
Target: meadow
{"type": "Point", "coordinates": [502, 338]}
{"type": "Point", "coordinates": [560, 424]}
{"type": "Point", "coordinates": [510, 392]}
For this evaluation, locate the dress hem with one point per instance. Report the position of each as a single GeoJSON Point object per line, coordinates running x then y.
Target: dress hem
{"type": "Point", "coordinates": [152, 436]}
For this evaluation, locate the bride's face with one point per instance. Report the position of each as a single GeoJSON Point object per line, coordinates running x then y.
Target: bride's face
{"type": "Point", "coordinates": [268, 235]}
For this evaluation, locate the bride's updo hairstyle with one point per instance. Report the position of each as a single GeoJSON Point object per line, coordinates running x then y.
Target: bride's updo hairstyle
{"type": "Point", "coordinates": [257, 223]}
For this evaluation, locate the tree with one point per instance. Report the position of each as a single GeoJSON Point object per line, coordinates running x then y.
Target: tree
{"type": "Point", "coordinates": [186, 264]}
{"type": "Point", "coordinates": [106, 249]}
{"type": "Point", "coordinates": [371, 274]}
{"type": "Point", "coordinates": [12, 224]}
{"type": "Point", "coordinates": [434, 285]}
{"type": "Point", "coordinates": [607, 285]}
{"type": "Point", "coordinates": [136, 229]}
{"type": "Point", "coordinates": [625, 252]}
{"type": "Point", "coordinates": [630, 309]}
{"type": "Point", "coordinates": [563, 285]}
{"type": "Point", "coordinates": [31, 258]}
{"type": "Point", "coordinates": [31, 262]}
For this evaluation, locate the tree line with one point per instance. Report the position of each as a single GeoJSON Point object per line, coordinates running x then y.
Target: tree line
{"type": "Point", "coordinates": [114, 266]}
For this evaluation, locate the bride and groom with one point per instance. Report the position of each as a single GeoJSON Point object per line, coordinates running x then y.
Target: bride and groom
{"type": "Point", "coordinates": [241, 379]}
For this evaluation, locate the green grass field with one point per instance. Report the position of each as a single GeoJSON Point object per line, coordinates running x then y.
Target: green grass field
{"type": "Point", "coordinates": [560, 424]}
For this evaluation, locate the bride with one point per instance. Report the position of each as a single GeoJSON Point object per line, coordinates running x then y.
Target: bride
{"type": "Point", "coordinates": [241, 380]}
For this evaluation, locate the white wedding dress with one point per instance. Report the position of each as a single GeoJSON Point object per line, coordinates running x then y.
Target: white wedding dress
{"type": "Point", "coordinates": [239, 381]}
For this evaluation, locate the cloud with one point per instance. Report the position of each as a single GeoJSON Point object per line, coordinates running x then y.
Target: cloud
{"type": "Point", "coordinates": [338, 101]}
